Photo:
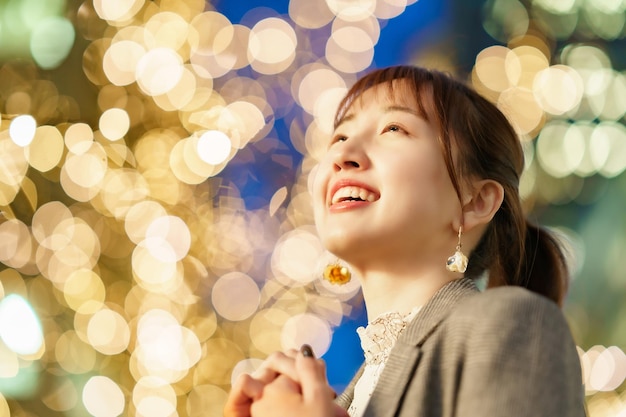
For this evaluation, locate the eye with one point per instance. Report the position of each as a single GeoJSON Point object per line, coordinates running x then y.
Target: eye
{"type": "Point", "coordinates": [338, 138]}
{"type": "Point", "coordinates": [393, 127]}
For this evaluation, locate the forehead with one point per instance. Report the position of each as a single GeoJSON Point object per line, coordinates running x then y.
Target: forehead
{"type": "Point", "coordinates": [398, 92]}
{"type": "Point", "coordinates": [395, 92]}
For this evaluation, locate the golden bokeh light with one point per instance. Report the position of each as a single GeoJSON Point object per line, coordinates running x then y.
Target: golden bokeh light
{"type": "Point", "coordinates": [108, 332]}
{"type": "Point", "coordinates": [84, 291]}
{"type": "Point", "coordinates": [16, 246]}
{"type": "Point", "coordinates": [154, 397]}
{"type": "Point", "coordinates": [168, 238]}
{"type": "Point", "coordinates": [306, 329]}
{"type": "Point", "coordinates": [272, 46]}
{"type": "Point", "coordinates": [266, 329]}
{"type": "Point", "coordinates": [117, 11]}
{"type": "Point", "coordinates": [120, 61]}
{"type": "Point", "coordinates": [492, 72]}
{"type": "Point", "coordinates": [235, 296]}
{"type": "Point", "coordinates": [296, 257]}
{"type": "Point", "coordinates": [558, 89]}
{"type": "Point", "coordinates": [114, 124]}
{"type": "Point", "coordinates": [46, 149]}
{"type": "Point", "coordinates": [140, 217]}
{"type": "Point", "coordinates": [314, 82]}
{"type": "Point", "coordinates": [158, 71]}
{"type": "Point", "coordinates": [310, 14]}
{"type": "Point", "coordinates": [102, 397]}
{"type": "Point", "coordinates": [22, 130]}
{"type": "Point", "coordinates": [352, 11]}
{"type": "Point", "coordinates": [213, 147]}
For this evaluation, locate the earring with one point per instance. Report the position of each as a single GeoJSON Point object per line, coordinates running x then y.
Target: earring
{"type": "Point", "coordinates": [458, 261]}
{"type": "Point", "coordinates": [336, 273]}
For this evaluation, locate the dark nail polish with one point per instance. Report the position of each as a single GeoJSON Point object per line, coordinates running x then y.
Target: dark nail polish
{"type": "Point", "coordinates": [307, 352]}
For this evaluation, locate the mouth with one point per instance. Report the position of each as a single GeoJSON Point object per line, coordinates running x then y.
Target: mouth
{"type": "Point", "coordinates": [353, 193]}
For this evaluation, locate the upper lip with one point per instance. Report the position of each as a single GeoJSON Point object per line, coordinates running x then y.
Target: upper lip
{"type": "Point", "coordinates": [337, 185]}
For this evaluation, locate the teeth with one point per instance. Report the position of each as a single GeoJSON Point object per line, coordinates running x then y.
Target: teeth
{"type": "Point", "coordinates": [346, 193]}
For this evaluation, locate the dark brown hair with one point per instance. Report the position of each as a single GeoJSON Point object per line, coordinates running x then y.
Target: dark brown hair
{"type": "Point", "coordinates": [512, 250]}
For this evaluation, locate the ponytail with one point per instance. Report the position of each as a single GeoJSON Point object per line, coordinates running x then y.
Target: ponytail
{"type": "Point", "coordinates": [544, 270]}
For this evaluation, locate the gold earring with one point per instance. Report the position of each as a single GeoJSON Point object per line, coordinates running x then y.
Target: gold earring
{"type": "Point", "coordinates": [458, 261]}
{"type": "Point", "coordinates": [338, 274]}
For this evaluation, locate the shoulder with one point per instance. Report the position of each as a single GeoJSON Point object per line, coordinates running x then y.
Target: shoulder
{"type": "Point", "coordinates": [512, 318]}
{"type": "Point", "coordinates": [508, 351]}
{"type": "Point", "coordinates": [503, 303]}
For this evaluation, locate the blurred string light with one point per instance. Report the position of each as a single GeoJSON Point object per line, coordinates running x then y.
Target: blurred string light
{"type": "Point", "coordinates": [20, 329]}
{"type": "Point", "coordinates": [574, 107]}
{"type": "Point", "coordinates": [155, 285]}
{"type": "Point", "coordinates": [37, 29]}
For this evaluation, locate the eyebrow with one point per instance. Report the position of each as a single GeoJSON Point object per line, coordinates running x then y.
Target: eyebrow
{"type": "Point", "coordinates": [402, 109]}
{"type": "Point", "coordinates": [388, 109]}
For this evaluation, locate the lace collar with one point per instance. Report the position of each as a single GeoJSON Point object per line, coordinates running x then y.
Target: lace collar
{"type": "Point", "coordinates": [379, 336]}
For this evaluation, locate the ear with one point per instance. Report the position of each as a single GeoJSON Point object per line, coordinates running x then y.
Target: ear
{"type": "Point", "coordinates": [480, 207]}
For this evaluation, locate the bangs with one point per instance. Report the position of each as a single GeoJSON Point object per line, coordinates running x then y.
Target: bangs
{"type": "Point", "coordinates": [406, 84]}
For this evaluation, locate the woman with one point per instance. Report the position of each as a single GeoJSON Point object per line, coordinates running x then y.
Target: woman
{"type": "Point", "coordinates": [421, 168]}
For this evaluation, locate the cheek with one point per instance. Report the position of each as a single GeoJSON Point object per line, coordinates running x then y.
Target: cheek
{"type": "Point", "coordinates": [426, 178]}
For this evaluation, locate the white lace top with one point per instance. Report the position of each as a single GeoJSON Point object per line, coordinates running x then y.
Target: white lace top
{"type": "Point", "coordinates": [377, 340]}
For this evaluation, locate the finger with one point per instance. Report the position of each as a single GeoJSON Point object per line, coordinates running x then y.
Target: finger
{"type": "Point", "coordinates": [245, 390]}
{"type": "Point", "coordinates": [275, 364]}
{"type": "Point", "coordinates": [292, 353]}
{"type": "Point", "coordinates": [307, 351]}
{"type": "Point", "coordinates": [246, 387]}
{"type": "Point", "coordinates": [264, 374]}
{"type": "Point", "coordinates": [312, 374]}
{"type": "Point", "coordinates": [283, 382]}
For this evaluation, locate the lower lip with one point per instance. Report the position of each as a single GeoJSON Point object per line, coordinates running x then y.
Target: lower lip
{"type": "Point", "coordinates": [348, 205]}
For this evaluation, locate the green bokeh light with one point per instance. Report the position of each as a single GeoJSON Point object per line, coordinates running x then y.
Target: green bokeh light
{"type": "Point", "coordinates": [51, 42]}
{"type": "Point", "coordinates": [35, 29]}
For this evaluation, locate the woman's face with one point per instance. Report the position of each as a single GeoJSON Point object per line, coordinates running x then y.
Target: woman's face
{"type": "Point", "coordinates": [382, 188]}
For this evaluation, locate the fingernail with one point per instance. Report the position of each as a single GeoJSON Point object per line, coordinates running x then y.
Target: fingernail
{"type": "Point", "coordinates": [307, 352]}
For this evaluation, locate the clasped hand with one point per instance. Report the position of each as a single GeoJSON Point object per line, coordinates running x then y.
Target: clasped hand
{"type": "Point", "coordinates": [285, 385]}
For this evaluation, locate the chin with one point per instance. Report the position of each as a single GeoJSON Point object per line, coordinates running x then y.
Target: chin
{"type": "Point", "coordinates": [342, 245]}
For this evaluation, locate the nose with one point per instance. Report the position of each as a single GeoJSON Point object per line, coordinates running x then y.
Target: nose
{"type": "Point", "coordinates": [350, 155]}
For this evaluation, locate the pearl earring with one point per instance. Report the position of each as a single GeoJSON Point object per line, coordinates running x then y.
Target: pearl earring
{"type": "Point", "coordinates": [458, 261]}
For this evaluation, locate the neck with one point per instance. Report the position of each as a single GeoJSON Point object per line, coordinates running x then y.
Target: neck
{"type": "Point", "coordinates": [401, 291]}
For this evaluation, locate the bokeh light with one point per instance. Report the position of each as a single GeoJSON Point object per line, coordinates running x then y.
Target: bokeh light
{"type": "Point", "coordinates": [213, 147]}
{"type": "Point", "coordinates": [103, 397]}
{"type": "Point", "coordinates": [22, 130]}
{"type": "Point", "coordinates": [20, 329]}
{"type": "Point", "coordinates": [51, 41]}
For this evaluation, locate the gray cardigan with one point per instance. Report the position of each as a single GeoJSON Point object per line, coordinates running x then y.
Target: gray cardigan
{"type": "Point", "coordinates": [505, 352]}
